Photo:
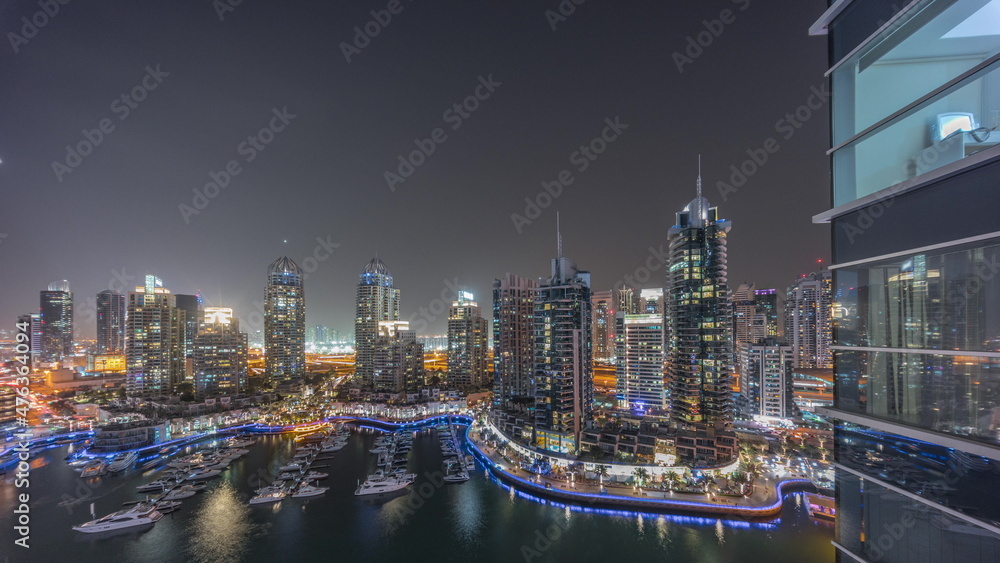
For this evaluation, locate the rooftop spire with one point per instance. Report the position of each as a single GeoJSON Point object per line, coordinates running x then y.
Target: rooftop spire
{"type": "Point", "coordinates": [699, 176]}
{"type": "Point", "coordinates": [558, 238]}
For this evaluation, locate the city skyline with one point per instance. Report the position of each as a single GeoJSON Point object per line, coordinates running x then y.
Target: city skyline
{"type": "Point", "coordinates": [331, 202]}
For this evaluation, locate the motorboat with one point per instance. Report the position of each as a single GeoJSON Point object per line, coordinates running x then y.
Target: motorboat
{"type": "Point", "coordinates": [157, 485]}
{"type": "Point", "coordinates": [288, 476]}
{"type": "Point", "coordinates": [316, 475]}
{"type": "Point", "coordinates": [307, 490]}
{"type": "Point", "coordinates": [267, 496]}
{"type": "Point", "coordinates": [123, 462]}
{"type": "Point", "coordinates": [385, 485]}
{"type": "Point", "coordinates": [291, 467]}
{"type": "Point", "coordinates": [165, 506]}
{"type": "Point", "coordinates": [470, 462]}
{"type": "Point", "coordinates": [142, 514]}
{"type": "Point", "coordinates": [203, 474]}
{"type": "Point", "coordinates": [95, 468]}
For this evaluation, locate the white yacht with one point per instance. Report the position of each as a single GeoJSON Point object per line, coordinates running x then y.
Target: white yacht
{"type": "Point", "coordinates": [178, 494]}
{"type": "Point", "coordinates": [291, 467]}
{"type": "Point", "coordinates": [308, 490]}
{"type": "Point", "coordinates": [157, 485]}
{"type": "Point", "coordinates": [202, 474]}
{"type": "Point", "coordinates": [386, 485]}
{"type": "Point", "coordinates": [267, 495]}
{"type": "Point", "coordinates": [142, 514]}
{"type": "Point", "coordinates": [123, 462]}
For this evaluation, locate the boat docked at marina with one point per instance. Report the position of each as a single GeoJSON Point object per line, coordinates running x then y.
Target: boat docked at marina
{"type": "Point", "coordinates": [123, 462]}
{"type": "Point", "coordinates": [142, 514]}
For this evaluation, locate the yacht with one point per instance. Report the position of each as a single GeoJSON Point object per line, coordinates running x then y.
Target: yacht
{"type": "Point", "coordinates": [157, 485]}
{"type": "Point", "coordinates": [308, 490]}
{"type": "Point", "coordinates": [202, 474]}
{"type": "Point", "coordinates": [142, 514]}
{"type": "Point", "coordinates": [123, 462]}
{"type": "Point", "coordinates": [316, 475]}
{"type": "Point", "coordinates": [459, 477]}
{"type": "Point", "coordinates": [288, 476]}
{"type": "Point", "coordinates": [165, 506]}
{"type": "Point", "coordinates": [291, 467]}
{"type": "Point", "coordinates": [470, 462]}
{"type": "Point", "coordinates": [267, 495]}
{"type": "Point", "coordinates": [178, 494]}
{"type": "Point", "coordinates": [384, 485]}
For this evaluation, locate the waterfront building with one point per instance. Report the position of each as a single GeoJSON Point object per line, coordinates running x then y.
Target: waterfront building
{"type": "Point", "coordinates": [604, 326]}
{"type": "Point", "coordinates": [639, 371]}
{"type": "Point", "coordinates": [514, 344]}
{"type": "Point", "coordinates": [56, 310]}
{"type": "Point", "coordinates": [398, 366]}
{"type": "Point", "coordinates": [376, 301]}
{"type": "Point", "coordinates": [220, 355]}
{"type": "Point", "coordinates": [563, 356]}
{"type": "Point", "coordinates": [809, 320]}
{"type": "Point", "coordinates": [111, 311]}
{"type": "Point", "coordinates": [766, 379]}
{"type": "Point", "coordinates": [284, 321]}
{"type": "Point", "coordinates": [915, 109]}
{"type": "Point", "coordinates": [126, 436]}
{"type": "Point", "coordinates": [467, 343]}
{"type": "Point", "coordinates": [699, 318]}
{"type": "Point", "coordinates": [154, 345]}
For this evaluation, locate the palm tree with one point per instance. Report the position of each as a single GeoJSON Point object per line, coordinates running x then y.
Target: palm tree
{"type": "Point", "coordinates": [602, 472]}
{"type": "Point", "coordinates": [640, 474]}
{"type": "Point", "coordinates": [674, 478]}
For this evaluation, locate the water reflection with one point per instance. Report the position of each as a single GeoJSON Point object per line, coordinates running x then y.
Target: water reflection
{"type": "Point", "coordinates": [221, 528]}
{"type": "Point", "coordinates": [467, 512]}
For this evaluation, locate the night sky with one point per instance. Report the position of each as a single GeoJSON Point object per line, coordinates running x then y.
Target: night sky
{"type": "Point", "coordinates": [207, 85]}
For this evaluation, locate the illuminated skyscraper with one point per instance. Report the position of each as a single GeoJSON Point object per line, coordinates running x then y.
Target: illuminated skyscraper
{"type": "Point", "coordinates": [766, 379]}
{"type": "Point", "coordinates": [377, 301]}
{"type": "Point", "coordinates": [699, 318]}
{"type": "Point", "coordinates": [467, 342]}
{"type": "Point", "coordinates": [766, 301]}
{"type": "Point", "coordinates": [220, 355]}
{"type": "Point", "coordinates": [191, 305]}
{"type": "Point", "coordinates": [651, 301]}
{"type": "Point", "coordinates": [639, 371]}
{"type": "Point", "coordinates": [603, 325]}
{"type": "Point", "coordinates": [513, 344]}
{"type": "Point", "coordinates": [111, 311]}
{"type": "Point", "coordinates": [628, 303]}
{"type": "Point", "coordinates": [56, 309]}
{"type": "Point", "coordinates": [749, 324]}
{"type": "Point", "coordinates": [398, 365]}
{"type": "Point", "coordinates": [284, 321]}
{"type": "Point", "coordinates": [154, 343]}
{"type": "Point", "coordinates": [564, 382]}
{"type": "Point", "coordinates": [809, 320]}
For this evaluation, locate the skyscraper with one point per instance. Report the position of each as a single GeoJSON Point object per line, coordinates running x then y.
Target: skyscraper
{"type": "Point", "coordinates": [154, 345]}
{"type": "Point", "coordinates": [220, 355]}
{"type": "Point", "coordinates": [747, 324]}
{"type": "Point", "coordinates": [376, 301]}
{"type": "Point", "coordinates": [34, 323]}
{"type": "Point", "coordinates": [284, 321]}
{"type": "Point", "coordinates": [639, 372]}
{"type": "Point", "coordinates": [604, 325]}
{"type": "Point", "coordinates": [809, 320]}
{"type": "Point", "coordinates": [915, 255]}
{"type": "Point", "coordinates": [192, 307]}
{"type": "Point", "coordinates": [111, 311]}
{"type": "Point", "coordinates": [564, 382]}
{"type": "Point", "coordinates": [467, 342]}
{"type": "Point", "coordinates": [627, 301]}
{"type": "Point", "coordinates": [651, 301]}
{"type": "Point", "coordinates": [56, 309]}
{"type": "Point", "coordinates": [699, 317]}
{"type": "Point", "coordinates": [766, 378]}
{"type": "Point", "coordinates": [513, 344]}
{"type": "Point", "coordinates": [398, 365]}
{"type": "Point", "coordinates": [766, 301]}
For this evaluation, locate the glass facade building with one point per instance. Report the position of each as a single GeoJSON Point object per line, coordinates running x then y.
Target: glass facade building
{"type": "Point", "coordinates": [110, 322]}
{"type": "Point", "coordinates": [467, 343]}
{"type": "Point", "coordinates": [916, 161]}
{"type": "Point", "coordinates": [376, 301]}
{"type": "Point", "coordinates": [56, 309]}
{"type": "Point", "coordinates": [284, 321]}
{"type": "Point", "coordinates": [514, 344]}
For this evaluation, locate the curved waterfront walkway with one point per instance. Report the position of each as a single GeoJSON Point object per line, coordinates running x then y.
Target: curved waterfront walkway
{"type": "Point", "coordinates": [765, 501]}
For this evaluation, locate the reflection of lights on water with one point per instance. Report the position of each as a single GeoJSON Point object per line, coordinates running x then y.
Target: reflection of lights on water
{"type": "Point", "coordinates": [720, 532]}
{"type": "Point", "coordinates": [640, 526]}
{"type": "Point", "coordinates": [220, 530]}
